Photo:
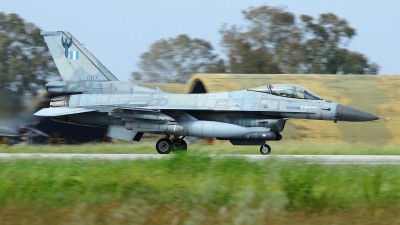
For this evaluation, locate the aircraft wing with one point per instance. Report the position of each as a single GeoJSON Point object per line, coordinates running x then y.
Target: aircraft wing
{"type": "Point", "coordinates": [60, 111]}
{"type": "Point", "coordinates": [158, 108]}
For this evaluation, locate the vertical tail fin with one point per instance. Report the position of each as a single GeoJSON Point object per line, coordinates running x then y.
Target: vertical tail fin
{"type": "Point", "coordinates": [73, 60]}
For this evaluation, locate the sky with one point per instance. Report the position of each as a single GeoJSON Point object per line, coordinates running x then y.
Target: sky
{"type": "Point", "coordinates": [117, 32]}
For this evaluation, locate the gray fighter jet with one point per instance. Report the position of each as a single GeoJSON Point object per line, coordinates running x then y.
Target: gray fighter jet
{"type": "Point", "coordinates": [92, 96]}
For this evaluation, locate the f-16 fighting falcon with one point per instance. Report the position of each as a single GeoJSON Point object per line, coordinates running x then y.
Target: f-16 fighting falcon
{"type": "Point", "coordinates": [91, 95]}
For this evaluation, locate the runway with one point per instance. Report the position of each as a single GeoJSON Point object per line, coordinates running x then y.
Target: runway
{"type": "Point", "coordinates": [321, 159]}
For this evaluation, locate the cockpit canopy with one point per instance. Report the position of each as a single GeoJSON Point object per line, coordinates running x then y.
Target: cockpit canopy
{"type": "Point", "coordinates": [288, 91]}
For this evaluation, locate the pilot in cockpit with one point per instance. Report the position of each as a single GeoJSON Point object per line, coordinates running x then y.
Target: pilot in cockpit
{"type": "Point", "coordinates": [300, 94]}
{"type": "Point", "coordinates": [288, 91]}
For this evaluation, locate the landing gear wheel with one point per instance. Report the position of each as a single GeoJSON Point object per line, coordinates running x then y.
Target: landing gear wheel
{"type": "Point", "coordinates": [163, 146]}
{"type": "Point", "coordinates": [182, 145]}
{"type": "Point", "coordinates": [179, 145]}
{"type": "Point", "coordinates": [265, 149]}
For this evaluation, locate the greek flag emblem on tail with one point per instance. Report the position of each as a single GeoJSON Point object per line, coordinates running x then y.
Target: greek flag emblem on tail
{"type": "Point", "coordinates": [66, 44]}
{"type": "Point", "coordinates": [73, 55]}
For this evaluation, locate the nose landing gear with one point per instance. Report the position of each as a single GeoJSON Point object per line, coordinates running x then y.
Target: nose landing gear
{"type": "Point", "coordinates": [265, 149]}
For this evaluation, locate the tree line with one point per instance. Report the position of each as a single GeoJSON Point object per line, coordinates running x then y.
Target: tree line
{"type": "Point", "coordinates": [25, 62]}
{"type": "Point", "coordinates": [272, 41]}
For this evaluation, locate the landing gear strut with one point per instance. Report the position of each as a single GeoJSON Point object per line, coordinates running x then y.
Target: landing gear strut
{"type": "Point", "coordinates": [165, 145]}
{"type": "Point", "coordinates": [265, 149]}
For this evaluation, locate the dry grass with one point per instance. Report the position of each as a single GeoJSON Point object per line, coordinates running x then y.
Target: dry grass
{"type": "Point", "coordinates": [139, 212]}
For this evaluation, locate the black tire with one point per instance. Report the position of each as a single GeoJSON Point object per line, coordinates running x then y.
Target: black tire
{"type": "Point", "coordinates": [183, 145]}
{"type": "Point", "coordinates": [179, 145]}
{"type": "Point", "coordinates": [265, 149]}
{"type": "Point", "coordinates": [163, 146]}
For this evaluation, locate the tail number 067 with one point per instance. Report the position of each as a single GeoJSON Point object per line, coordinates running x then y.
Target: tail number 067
{"type": "Point", "coordinates": [92, 77]}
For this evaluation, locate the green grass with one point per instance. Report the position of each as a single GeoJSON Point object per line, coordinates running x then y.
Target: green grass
{"type": "Point", "coordinates": [195, 189]}
{"type": "Point", "coordinates": [148, 147]}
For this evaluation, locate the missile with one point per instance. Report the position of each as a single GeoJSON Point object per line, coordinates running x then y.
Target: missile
{"type": "Point", "coordinates": [167, 128]}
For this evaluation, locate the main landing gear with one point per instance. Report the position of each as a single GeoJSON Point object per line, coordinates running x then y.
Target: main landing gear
{"type": "Point", "coordinates": [265, 149]}
{"type": "Point", "coordinates": [165, 145]}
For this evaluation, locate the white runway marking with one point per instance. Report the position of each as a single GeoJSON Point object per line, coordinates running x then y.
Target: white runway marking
{"type": "Point", "coordinates": [323, 159]}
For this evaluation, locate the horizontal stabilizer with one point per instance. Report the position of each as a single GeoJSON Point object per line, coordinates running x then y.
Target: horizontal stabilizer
{"type": "Point", "coordinates": [60, 111]}
{"type": "Point", "coordinates": [36, 132]}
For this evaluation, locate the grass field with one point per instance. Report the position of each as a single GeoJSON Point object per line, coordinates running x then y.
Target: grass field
{"type": "Point", "coordinates": [195, 189]}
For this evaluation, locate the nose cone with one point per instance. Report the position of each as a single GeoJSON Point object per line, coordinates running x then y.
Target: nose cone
{"type": "Point", "coordinates": [345, 113]}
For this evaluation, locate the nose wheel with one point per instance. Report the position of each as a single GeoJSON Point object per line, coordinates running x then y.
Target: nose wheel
{"type": "Point", "coordinates": [265, 149]}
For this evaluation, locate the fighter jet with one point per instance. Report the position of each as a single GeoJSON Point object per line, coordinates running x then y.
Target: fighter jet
{"type": "Point", "coordinates": [93, 96]}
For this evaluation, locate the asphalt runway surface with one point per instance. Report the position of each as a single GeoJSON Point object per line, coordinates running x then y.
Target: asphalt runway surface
{"type": "Point", "coordinates": [322, 159]}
